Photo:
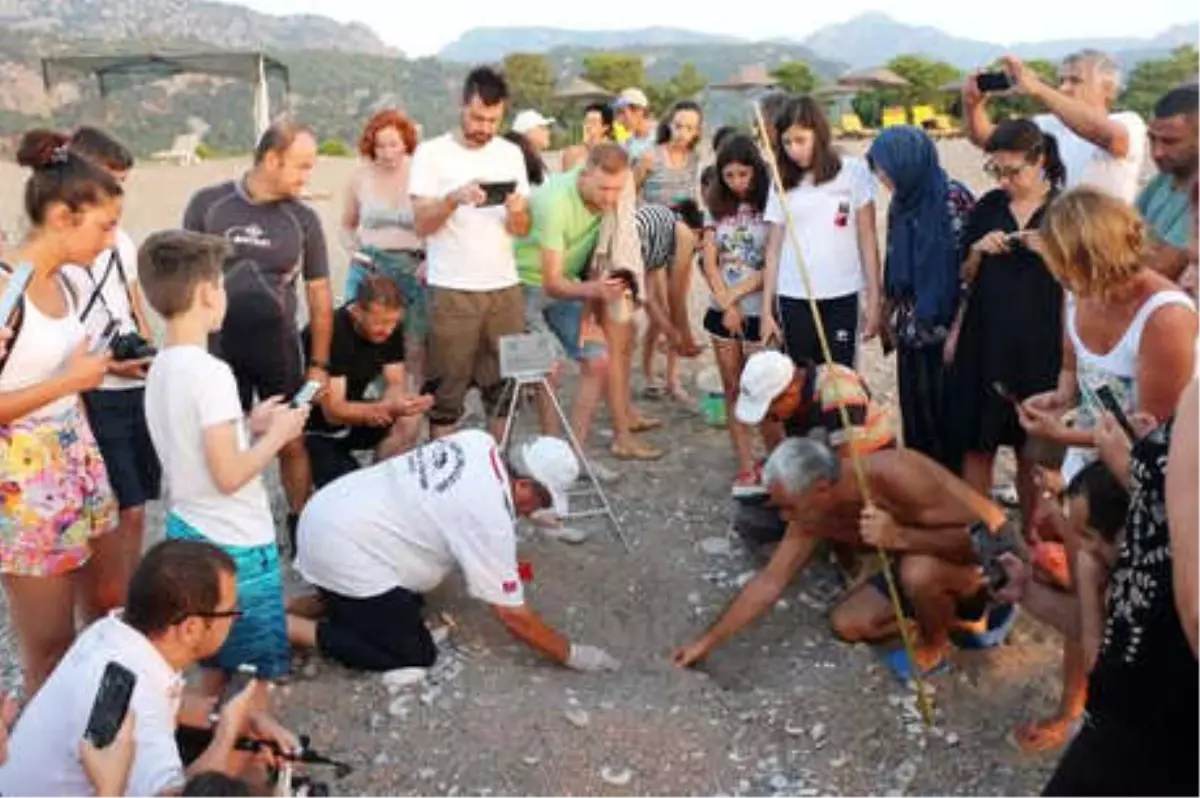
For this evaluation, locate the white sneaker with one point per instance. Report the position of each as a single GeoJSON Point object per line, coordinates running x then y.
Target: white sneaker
{"type": "Point", "coordinates": [605, 474]}
{"type": "Point", "coordinates": [567, 534]}
{"type": "Point", "coordinates": [747, 491]}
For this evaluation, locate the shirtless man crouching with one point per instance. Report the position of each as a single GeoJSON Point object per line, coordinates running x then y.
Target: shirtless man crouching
{"type": "Point", "coordinates": [920, 513]}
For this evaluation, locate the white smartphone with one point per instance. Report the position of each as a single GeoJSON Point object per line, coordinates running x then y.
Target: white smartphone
{"type": "Point", "coordinates": [18, 281]}
{"type": "Point", "coordinates": [306, 394]}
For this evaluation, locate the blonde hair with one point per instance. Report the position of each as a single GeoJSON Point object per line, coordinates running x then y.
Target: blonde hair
{"type": "Point", "coordinates": [1094, 241]}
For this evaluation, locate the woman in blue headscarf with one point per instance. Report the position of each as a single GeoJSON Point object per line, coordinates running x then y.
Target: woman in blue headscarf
{"type": "Point", "coordinates": [921, 279]}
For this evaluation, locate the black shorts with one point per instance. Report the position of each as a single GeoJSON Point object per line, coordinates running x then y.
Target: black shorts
{"type": "Point", "coordinates": [267, 360]}
{"type": "Point", "coordinates": [332, 458]}
{"type": "Point", "coordinates": [380, 633]}
{"type": "Point", "coordinates": [840, 317]}
{"type": "Point", "coordinates": [118, 420]}
{"type": "Point", "coordinates": [971, 609]}
{"type": "Point", "coordinates": [751, 330]}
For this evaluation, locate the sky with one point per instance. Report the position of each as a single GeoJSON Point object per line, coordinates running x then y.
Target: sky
{"type": "Point", "coordinates": [1020, 20]}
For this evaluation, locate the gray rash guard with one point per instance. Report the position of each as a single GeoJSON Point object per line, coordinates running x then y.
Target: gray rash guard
{"type": "Point", "coordinates": [273, 244]}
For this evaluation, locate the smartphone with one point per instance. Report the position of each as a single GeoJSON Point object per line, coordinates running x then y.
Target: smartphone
{"type": "Point", "coordinates": [105, 339]}
{"type": "Point", "coordinates": [430, 386]}
{"type": "Point", "coordinates": [1109, 400]}
{"type": "Point", "coordinates": [306, 394]}
{"type": "Point", "coordinates": [238, 681]}
{"type": "Point", "coordinates": [497, 193]}
{"type": "Point", "coordinates": [111, 704]}
{"type": "Point", "coordinates": [993, 81]}
{"type": "Point", "coordinates": [1005, 394]}
{"type": "Point", "coordinates": [18, 281]}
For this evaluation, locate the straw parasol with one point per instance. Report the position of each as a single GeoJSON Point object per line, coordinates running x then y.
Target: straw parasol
{"type": "Point", "coordinates": [877, 78]}
{"type": "Point", "coordinates": [748, 78]}
{"type": "Point", "coordinates": [576, 88]}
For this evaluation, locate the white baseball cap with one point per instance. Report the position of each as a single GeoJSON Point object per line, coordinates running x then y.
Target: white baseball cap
{"type": "Point", "coordinates": [529, 119]}
{"type": "Point", "coordinates": [551, 463]}
{"type": "Point", "coordinates": [632, 97]}
{"type": "Point", "coordinates": [765, 376]}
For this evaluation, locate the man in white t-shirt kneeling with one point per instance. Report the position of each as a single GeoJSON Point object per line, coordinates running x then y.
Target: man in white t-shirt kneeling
{"type": "Point", "coordinates": [183, 599]}
{"type": "Point", "coordinates": [1099, 148]}
{"type": "Point", "coordinates": [376, 540]}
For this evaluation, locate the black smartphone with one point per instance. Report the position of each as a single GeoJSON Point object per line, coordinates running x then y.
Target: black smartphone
{"type": "Point", "coordinates": [497, 193]}
{"type": "Point", "coordinates": [430, 386]}
{"type": "Point", "coordinates": [989, 82]}
{"type": "Point", "coordinates": [1109, 400]}
{"type": "Point", "coordinates": [238, 682]}
{"type": "Point", "coordinates": [111, 704]}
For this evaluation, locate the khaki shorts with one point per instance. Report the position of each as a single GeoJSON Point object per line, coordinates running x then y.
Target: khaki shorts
{"type": "Point", "coordinates": [465, 328]}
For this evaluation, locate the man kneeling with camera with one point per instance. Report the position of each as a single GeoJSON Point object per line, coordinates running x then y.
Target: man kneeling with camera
{"type": "Point", "coordinates": [935, 528]}
{"type": "Point", "coordinates": [376, 540]}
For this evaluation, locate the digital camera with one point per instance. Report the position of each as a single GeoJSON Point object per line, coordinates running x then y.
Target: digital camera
{"type": "Point", "coordinates": [131, 346]}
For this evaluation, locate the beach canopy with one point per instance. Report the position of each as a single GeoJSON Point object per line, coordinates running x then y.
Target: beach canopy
{"type": "Point", "coordinates": [581, 90]}
{"type": "Point", "coordinates": [123, 70]}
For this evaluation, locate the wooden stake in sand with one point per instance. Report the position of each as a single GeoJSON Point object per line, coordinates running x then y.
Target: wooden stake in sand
{"type": "Point", "coordinates": [860, 474]}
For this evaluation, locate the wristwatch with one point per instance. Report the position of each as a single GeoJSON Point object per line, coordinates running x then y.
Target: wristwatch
{"type": "Point", "coordinates": [313, 363]}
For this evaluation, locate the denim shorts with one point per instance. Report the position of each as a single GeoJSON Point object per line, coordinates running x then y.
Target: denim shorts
{"type": "Point", "coordinates": [564, 319]}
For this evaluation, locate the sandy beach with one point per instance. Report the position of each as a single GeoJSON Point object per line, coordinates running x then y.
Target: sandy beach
{"type": "Point", "coordinates": [782, 709]}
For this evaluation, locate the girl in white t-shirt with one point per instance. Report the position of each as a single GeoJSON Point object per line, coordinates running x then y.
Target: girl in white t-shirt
{"type": "Point", "coordinates": [831, 202]}
{"type": "Point", "coordinates": [57, 505]}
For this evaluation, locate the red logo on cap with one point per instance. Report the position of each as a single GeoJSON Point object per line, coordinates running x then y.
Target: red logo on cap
{"type": "Point", "coordinates": [510, 586]}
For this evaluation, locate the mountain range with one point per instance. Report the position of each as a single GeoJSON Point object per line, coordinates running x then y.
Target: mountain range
{"type": "Point", "coordinates": [865, 41]}
{"type": "Point", "coordinates": [341, 73]}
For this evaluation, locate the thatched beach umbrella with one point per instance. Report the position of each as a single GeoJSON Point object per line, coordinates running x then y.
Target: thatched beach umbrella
{"type": "Point", "coordinates": [579, 90]}
{"type": "Point", "coordinates": [877, 78]}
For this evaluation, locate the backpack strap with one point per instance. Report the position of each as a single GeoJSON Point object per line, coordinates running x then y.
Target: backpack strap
{"type": "Point", "coordinates": [15, 322]}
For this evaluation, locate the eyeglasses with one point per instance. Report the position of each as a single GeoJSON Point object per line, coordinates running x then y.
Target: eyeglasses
{"type": "Point", "coordinates": [998, 172]}
{"type": "Point", "coordinates": [235, 614]}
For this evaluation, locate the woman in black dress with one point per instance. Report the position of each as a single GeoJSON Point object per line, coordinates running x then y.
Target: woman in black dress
{"type": "Point", "coordinates": [1011, 335]}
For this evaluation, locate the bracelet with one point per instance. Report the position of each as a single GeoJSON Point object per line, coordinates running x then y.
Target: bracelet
{"type": "Point", "coordinates": [315, 363]}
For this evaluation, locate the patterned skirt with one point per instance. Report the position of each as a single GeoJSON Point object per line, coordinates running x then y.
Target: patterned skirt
{"type": "Point", "coordinates": [54, 494]}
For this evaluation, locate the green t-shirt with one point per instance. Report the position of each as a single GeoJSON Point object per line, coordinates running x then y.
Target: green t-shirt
{"type": "Point", "coordinates": [1164, 206]}
{"type": "Point", "coordinates": [561, 222]}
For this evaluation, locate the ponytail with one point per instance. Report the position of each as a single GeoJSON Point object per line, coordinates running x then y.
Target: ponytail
{"type": "Point", "coordinates": [60, 175]}
{"type": "Point", "coordinates": [1055, 169]}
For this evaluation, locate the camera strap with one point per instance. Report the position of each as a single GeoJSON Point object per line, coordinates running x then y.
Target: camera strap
{"type": "Point", "coordinates": [114, 261]}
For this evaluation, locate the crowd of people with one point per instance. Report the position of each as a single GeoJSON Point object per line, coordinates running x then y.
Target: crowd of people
{"type": "Point", "coordinates": [1036, 317]}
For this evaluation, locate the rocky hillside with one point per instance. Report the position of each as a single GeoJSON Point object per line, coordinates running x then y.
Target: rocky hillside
{"type": "Point", "coordinates": [232, 26]}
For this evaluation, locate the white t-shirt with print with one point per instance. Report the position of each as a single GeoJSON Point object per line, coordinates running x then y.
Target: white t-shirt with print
{"type": "Point", "coordinates": [472, 251]}
{"type": "Point", "coordinates": [112, 302]}
{"type": "Point", "coordinates": [825, 218]}
{"type": "Point", "coordinates": [405, 522]}
{"type": "Point", "coordinates": [187, 391]}
{"type": "Point", "coordinates": [43, 752]}
{"type": "Point", "coordinates": [1090, 165]}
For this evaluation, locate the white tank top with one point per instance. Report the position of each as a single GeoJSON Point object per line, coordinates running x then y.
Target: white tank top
{"type": "Point", "coordinates": [40, 351]}
{"type": "Point", "coordinates": [1116, 369]}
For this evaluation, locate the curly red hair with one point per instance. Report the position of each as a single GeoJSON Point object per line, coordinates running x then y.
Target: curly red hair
{"type": "Point", "coordinates": [388, 117]}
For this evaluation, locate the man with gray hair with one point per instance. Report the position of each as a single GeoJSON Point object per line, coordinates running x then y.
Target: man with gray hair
{"type": "Point", "coordinates": [918, 512]}
{"type": "Point", "coordinates": [1099, 148]}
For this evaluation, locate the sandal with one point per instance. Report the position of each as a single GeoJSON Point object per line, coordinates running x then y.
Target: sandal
{"type": "Point", "coordinates": [635, 450]}
{"type": "Point", "coordinates": [678, 394]}
{"type": "Point", "coordinates": [644, 424]}
{"type": "Point", "coordinates": [654, 390]}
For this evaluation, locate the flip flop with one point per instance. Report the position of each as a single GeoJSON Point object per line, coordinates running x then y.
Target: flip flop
{"type": "Point", "coordinates": [898, 662]}
{"type": "Point", "coordinates": [638, 451]}
{"type": "Point", "coordinates": [654, 390]}
{"type": "Point", "coordinates": [1000, 621]}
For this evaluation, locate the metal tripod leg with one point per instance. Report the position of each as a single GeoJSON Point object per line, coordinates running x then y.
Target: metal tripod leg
{"type": "Point", "coordinates": [544, 384]}
{"type": "Point", "coordinates": [587, 465]}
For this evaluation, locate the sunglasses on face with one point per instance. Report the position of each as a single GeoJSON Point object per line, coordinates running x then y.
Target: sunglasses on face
{"type": "Point", "coordinates": [998, 172]}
